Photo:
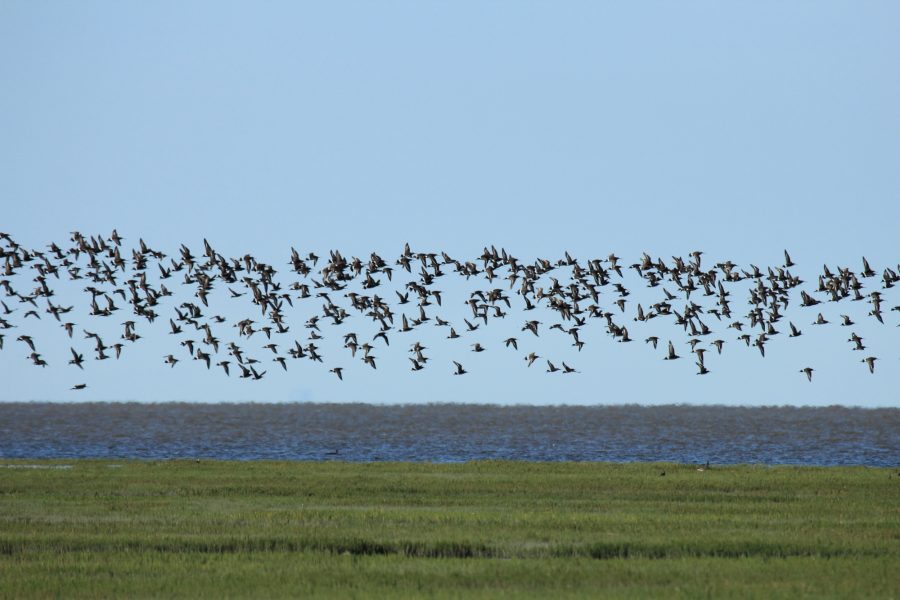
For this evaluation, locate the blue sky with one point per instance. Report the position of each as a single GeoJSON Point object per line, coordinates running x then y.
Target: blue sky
{"type": "Point", "coordinates": [737, 128]}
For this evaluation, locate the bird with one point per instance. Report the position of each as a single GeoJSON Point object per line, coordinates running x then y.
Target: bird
{"type": "Point", "coordinates": [459, 369]}
{"type": "Point", "coordinates": [339, 371]}
{"type": "Point", "coordinates": [870, 361]}
{"type": "Point", "coordinates": [671, 354]}
{"type": "Point", "coordinates": [808, 371]}
{"type": "Point", "coordinates": [79, 386]}
{"type": "Point", "coordinates": [788, 263]}
{"type": "Point", "coordinates": [27, 339]}
{"type": "Point", "coordinates": [77, 359]}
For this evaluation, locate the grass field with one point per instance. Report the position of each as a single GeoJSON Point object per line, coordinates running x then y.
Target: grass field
{"type": "Point", "coordinates": [483, 529]}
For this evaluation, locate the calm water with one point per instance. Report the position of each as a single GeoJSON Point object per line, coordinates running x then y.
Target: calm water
{"type": "Point", "coordinates": [452, 432]}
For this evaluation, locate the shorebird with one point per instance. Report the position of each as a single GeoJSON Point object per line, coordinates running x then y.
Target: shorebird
{"type": "Point", "coordinates": [870, 360]}
{"type": "Point", "coordinates": [867, 270]}
{"type": "Point", "coordinates": [77, 359]}
{"type": "Point", "coordinates": [27, 339]}
{"type": "Point", "coordinates": [788, 263]}
{"type": "Point", "coordinates": [459, 369]}
{"type": "Point", "coordinates": [671, 354]}
{"type": "Point", "coordinates": [808, 371]}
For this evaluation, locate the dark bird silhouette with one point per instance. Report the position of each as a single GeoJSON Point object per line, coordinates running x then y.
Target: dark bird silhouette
{"type": "Point", "coordinates": [671, 354]}
{"type": "Point", "coordinates": [77, 359]}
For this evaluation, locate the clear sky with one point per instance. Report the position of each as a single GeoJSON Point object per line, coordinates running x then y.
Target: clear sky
{"type": "Point", "coordinates": [735, 128]}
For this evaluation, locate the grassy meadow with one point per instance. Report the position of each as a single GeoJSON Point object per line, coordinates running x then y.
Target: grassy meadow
{"type": "Point", "coordinates": [481, 529]}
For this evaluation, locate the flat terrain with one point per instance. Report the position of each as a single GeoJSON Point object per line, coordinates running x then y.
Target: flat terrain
{"type": "Point", "coordinates": [295, 529]}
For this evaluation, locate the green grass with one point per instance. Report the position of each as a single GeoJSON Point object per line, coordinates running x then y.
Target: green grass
{"type": "Point", "coordinates": [288, 529]}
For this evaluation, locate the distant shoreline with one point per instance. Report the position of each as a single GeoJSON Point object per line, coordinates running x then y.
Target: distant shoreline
{"type": "Point", "coordinates": [599, 405]}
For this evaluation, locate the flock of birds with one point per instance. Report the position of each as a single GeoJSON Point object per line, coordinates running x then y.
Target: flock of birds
{"type": "Point", "coordinates": [566, 295]}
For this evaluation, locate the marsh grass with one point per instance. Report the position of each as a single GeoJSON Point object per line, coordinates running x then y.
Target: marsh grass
{"type": "Point", "coordinates": [278, 529]}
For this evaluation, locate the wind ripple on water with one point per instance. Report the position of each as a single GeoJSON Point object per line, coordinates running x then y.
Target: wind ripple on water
{"type": "Point", "coordinates": [452, 433]}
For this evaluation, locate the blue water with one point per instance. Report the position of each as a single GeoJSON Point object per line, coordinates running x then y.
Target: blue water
{"type": "Point", "coordinates": [453, 433]}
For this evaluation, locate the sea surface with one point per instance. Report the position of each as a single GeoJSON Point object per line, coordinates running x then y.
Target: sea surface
{"type": "Point", "coordinates": [453, 433]}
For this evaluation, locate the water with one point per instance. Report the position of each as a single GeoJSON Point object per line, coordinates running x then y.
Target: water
{"type": "Point", "coordinates": [452, 433]}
